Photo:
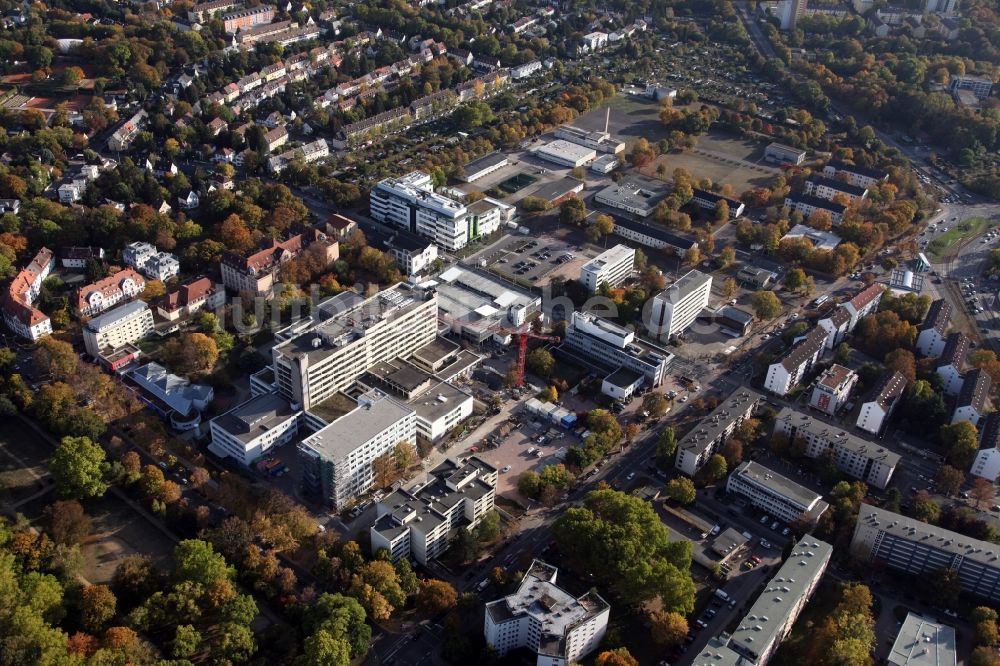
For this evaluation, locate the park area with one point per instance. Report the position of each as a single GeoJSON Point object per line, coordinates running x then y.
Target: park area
{"type": "Point", "coordinates": [948, 244]}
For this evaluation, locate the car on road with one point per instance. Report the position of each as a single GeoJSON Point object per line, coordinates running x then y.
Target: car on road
{"type": "Point", "coordinates": [764, 519]}
{"type": "Point", "coordinates": [764, 543]}
{"type": "Point", "coordinates": [631, 475]}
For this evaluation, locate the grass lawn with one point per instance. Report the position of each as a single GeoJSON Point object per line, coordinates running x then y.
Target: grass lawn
{"type": "Point", "coordinates": [943, 247]}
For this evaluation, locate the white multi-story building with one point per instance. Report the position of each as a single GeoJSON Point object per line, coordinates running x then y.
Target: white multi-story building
{"type": "Point", "coordinates": [832, 389]}
{"type": "Point", "coordinates": [694, 450]}
{"type": "Point", "coordinates": [845, 318]}
{"type": "Point", "coordinates": [778, 495]}
{"type": "Point", "coordinates": [337, 459]}
{"type": "Point", "coordinates": [611, 267]}
{"type": "Point", "coordinates": [872, 463]}
{"type": "Point", "coordinates": [974, 398]}
{"type": "Point", "coordinates": [152, 263]}
{"type": "Point", "coordinates": [324, 356]}
{"type": "Point", "coordinates": [830, 188]}
{"type": "Point", "coordinates": [676, 307]}
{"type": "Point", "coordinates": [856, 175]}
{"type": "Point", "coordinates": [807, 204]}
{"type": "Point", "coordinates": [933, 331]}
{"type": "Point", "coordinates": [602, 343]}
{"type": "Point", "coordinates": [254, 427]}
{"type": "Point", "coordinates": [987, 462]}
{"type": "Point", "coordinates": [921, 641]}
{"type": "Point", "coordinates": [785, 373]}
{"type": "Point", "coordinates": [782, 154]}
{"type": "Point", "coordinates": [19, 313]}
{"type": "Point", "coordinates": [710, 201]}
{"type": "Point", "coordinates": [413, 253]}
{"type": "Point", "coordinates": [952, 361]}
{"type": "Point", "coordinates": [879, 406]}
{"type": "Point", "coordinates": [112, 290]}
{"type": "Point", "coordinates": [126, 324]}
{"type": "Point", "coordinates": [594, 41]}
{"type": "Point", "coordinates": [546, 619]}
{"type": "Point", "coordinates": [418, 522]}
{"type": "Point", "coordinates": [410, 203]}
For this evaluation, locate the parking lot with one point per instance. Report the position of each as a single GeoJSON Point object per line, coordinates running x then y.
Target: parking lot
{"type": "Point", "coordinates": [531, 446]}
{"type": "Point", "coordinates": [533, 260]}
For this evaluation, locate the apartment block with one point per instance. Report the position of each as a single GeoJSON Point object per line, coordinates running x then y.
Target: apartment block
{"type": "Point", "coordinates": [934, 329]}
{"type": "Point", "coordinates": [254, 427]}
{"type": "Point", "coordinates": [831, 188]}
{"type": "Point", "coordinates": [19, 312]}
{"type": "Point", "coordinates": [856, 457]}
{"type": "Point", "coordinates": [832, 389]}
{"type": "Point", "coordinates": [952, 362]}
{"type": "Point", "coordinates": [95, 298]}
{"type": "Point", "coordinates": [886, 539]}
{"type": "Point", "coordinates": [201, 294]}
{"type": "Point", "coordinates": [778, 495]}
{"type": "Point", "coordinates": [149, 261]}
{"type": "Point", "coordinates": [676, 307]}
{"type": "Point", "coordinates": [987, 462]}
{"type": "Point", "coordinates": [600, 342]}
{"type": "Point", "coordinates": [855, 175]}
{"type": "Point", "coordinates": [696, 447]}
{"type": "Point", "coordinates": [125, 325]}
{"type": "Point", "coordinates": [974, 398]}
{"type": "Point", "coordinates": [337, 459]}
{"type": "Point", "coordinates": [784, 374]}
{"type": "Point", "coordinates": [409, 202]}
{"type": "Point", "coordinates": [246, 18]}
{"type": "Point", "coordinates": [770, 619]}
{"type": "Point", "coordinates": [710, 201]}
{"type": "Point", "coordinates": [419, 522]}
{"type": "Point", "coordinates": [807, 204]}
{"type": "Point", "coordinates": [326, 354]}
{"type": "Point", "coordinates": [560, 628]}
{"type": "Point", "coordinates": [881, 403]}
{"type": "Point", "coordinates": [254, 275]}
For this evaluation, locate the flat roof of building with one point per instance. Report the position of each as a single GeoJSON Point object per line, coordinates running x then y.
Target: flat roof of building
{"type": "Point", "coordinates": [485, 162]}
{"type": "Point", "coordinates": [623, 377]}
{"type": "Point", "coordinates": [923, 642]}
{"type": "Point", "coordinates": [733, 407]}
{"type": "Point", "coordinates": [437, 401]}
{"type": "Point", "coordinates": [558, 188]}
{"type": "Point", "coordinates": [780, 485]}
{"type": "Point", "coordinates": [656, 233]}
{"type": "Point", "coordinates": [822, 240]}
{"type": "Point", "coordinates": [566, 150]}
{"type": "Point", "coordinates": [254, 417]}
{"type": "Point", "coordinates": [684, 286]}
{"type": "Point", "coordinates": [478, 299]}
{"type": "Point", "coordinates": [112, 317]}
{"type": "Point", "coordinates": [842, 438]}
{"type": "Point", "coordinates": [769, 614]}
{"type": "Point", "coordinates": [932, 536]}
{"type": "Point", "coordinates": [608, 257]}
{"type": "Point", "coordinates": [634, 193]}
{"type": "Point", "coordinates": [377, 412]}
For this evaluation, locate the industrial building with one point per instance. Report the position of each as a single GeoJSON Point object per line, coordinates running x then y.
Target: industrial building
{"type": "Point", "coordinates": [605, 164]}
{"type": "Point", "coordinates": [611, 267]}
{"type": "Point", "coordinates": [560, 628]}
{"type": "Point", "coordinates": [422, 522]}
{"type": "Point", "coordinates": [565, 153]}
{"type": "Point", "coordinates": [676, 307]}
{"type": "Point", "coordinates": [557, 191]}
{"type": "Point", "coordinates": [775, 494]}
{"type": "Point", "coordinates": [477, 306]}
{"type": "Point", "coordinates": [483, 166]}
{"type": "Point", "coordinates": [326, 353]}
{"type": "Point", "coordinates": [601, 141]}
{"type": "Point", "coordinates": [886, 539]}
{"type": "Point", "coordinates": [600, 342]}
{"type": "Point", "coordinates": [696, 447]}
{"type": "Point", "coordinates": [337, 459]}
{"type": "Point", "coordinates": [633, 196]}
{"type": "Point", "coordinates": [869, 461]}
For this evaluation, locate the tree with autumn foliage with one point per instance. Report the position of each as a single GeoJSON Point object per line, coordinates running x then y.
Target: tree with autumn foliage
{"type": "Point", "coordinates": [191, 353]}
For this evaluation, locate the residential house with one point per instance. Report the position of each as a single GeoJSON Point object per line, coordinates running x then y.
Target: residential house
{"type": "Point", "coordinates": [200, 294]}
{"type": "Point", "coordinates": [973, 399]}
{"type": "Point", "coordinates": [108, 292]}
{"type": "Point", "coordinates": [952, 361]}
{"type": "Point", "coordinates": [881, 403]}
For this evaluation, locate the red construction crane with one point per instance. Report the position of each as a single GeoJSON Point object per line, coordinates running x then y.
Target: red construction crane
{"type": "Point", "coordinates": [522, 334]}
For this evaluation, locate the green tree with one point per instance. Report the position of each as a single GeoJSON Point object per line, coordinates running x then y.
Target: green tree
{"type": "Point", "coordinates": [408, 580]}
{"type": "Point", "coordinates": [343, 617]}
{"type": "Point", "coordinates": [572, 211]}
{"type": "Point", "coordinates": [795, 279]}
{"type": "Point", "coordinates": [97, 607]}
{"type": "Point", "coordinates": [656, 404]}
{"type": "Point", "coordinates": [185, 642]}
{"type": "Point", "coordinates": [681, 490]}
{"type": "Point", "coordinates": [78, 467]}
{"type": "Point", "coordinates": [961, 440]}
{"type": "Point", "coordinates": [540, 362]}
{"type": "Point", "coordinates": [196, 561]}
{"type": "Point", "coordinates": [716, 468]}
{"type": "Point", "coordinates": [488, 527]}
{"type": "Point", "coordinates": [765, 304]}
{"type": "Point", "coordinates": [620, 541]}
{"type": "Point", "coordinates": [668, 629]}
{"type": "Point", "coordinates": [529, 484]}
{"type": "Point", "coordinates": [323, 649]}
{"type": "Point", "coordinates": [842, 354]}
{"type": "Point", "coordinates": [666, 448]}
{"type": "Point", "coordinates": [925, 508]}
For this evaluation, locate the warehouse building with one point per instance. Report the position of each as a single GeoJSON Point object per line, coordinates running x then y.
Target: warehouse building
{"type": "Point", "coordinates": [565, 154]}
{"type": "Point", "coordinates": [484, 166]}
{"type": "Point", "coordinates": [633, 196]}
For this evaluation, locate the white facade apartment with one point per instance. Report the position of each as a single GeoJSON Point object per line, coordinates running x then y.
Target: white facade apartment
{"type": "Point", "coordinates": [124, 325]}
{"type": "Point", "coordinates": [987, 462]}
{"type": "Point", "coordinates": [973, 401]}
{"type": "Point", "coordinates": [676, 307]}
{"type": "Point", "coordinates": [932, 336]}
{"type": "Point", "coordinates": [338, 458]}
{"type": "Point", "coordinates": [808, 204]}
{"type": "Point", "coordinates": [859, 458]}
{"type": "Point", "coordinates": [611, 266]}
{"type": "Point", "coordinates": [828, 188]}
{"type": "Point", "coordinates": [328, 356]}
{"type": "Point", "coordinates": [152, 263]}
{"type": "Point", "coordinates": [439, 410]}
{"type": "Point", "coordinates": [418, 522]}
{"type": "Point", "coordinates": [779, 152]}
{"type": "Point", "coordinates": [112, 290]}
{"type": "Point", "coordinates": [694, 450]}
{"type": "Point", "coordinates": [886, 396]}
{"type": "Point", "coordinates": [832, 389]}
{"type": "Point", "coordinates": [778, 495]}
{"type": "Point", "coordinates": [786, 373]}
{"type": "Point", "coordinates": [951, 363]}
{"type": "Point", "coordinates": [544, 618]}
{"type": "Point", "coordinates": [858, 176]}
{"type": "Point", "coordinates": [254, 427]}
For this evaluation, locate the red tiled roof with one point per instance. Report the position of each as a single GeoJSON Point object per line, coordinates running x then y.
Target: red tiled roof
{"type": "Point", "coordinates": [188, 293]}
{"type": "Point", "coordinates": [109, 286]}
{"type": "Point", "coordinates": [866, 296]}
